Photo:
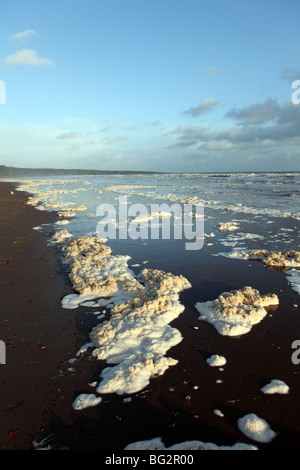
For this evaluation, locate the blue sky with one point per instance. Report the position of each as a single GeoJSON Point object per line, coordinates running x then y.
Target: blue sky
{"type": "Point", "coordinates": [153, 85]}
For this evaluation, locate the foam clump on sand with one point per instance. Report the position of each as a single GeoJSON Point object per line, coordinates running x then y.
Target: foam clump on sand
{"type": "Point", "coordinates": [218, 413]}
{"type": "Point", "coordinates": [85, 400]}
{"type": "Point", "coordinates": [276, 386]}
{"type": "Point", "coordinates": [234, 313]}
{"type": "Point", "coordinates": [276, 258]}
{"type": "Point", "coordinates": [138, 335]}
{"type": "Point", "coordinates": [95, 273]}
{"type": "Point", "coordinates": [157, 444]}
{"type": "Point", "coordinates": [61, 236]}
{"type": "Point", "coordinates": [256, 428]}
{"type": "Point", "coordinates": [216, 361]}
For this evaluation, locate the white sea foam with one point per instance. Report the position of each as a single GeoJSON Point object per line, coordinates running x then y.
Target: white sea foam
{"type": "Point", "coordinates": [256, 428]}
{"type": "Point", "coordinates": [94, 273]}
{"type": "Point", "coordinates": [66, 214]}
{"type": "Point", "coordinates": [62, 222]}
{"type": "Point", "coordinates": [227, 226]}
{"type": "Point", "coordinates": [234, 313]}
{"type": "Point", "coordinates": [237, 253]}
{"type": "Point", "coordinates": [278, 259]}
{"type": "Point", "coordinates": [61, 236]}
{"type": "Point", "coordinates": [137, 335]}
{"type": "Point", "coordinates": [276, 386]}
{"type": "Point", "coordinates": [85, 400]}
{"type": "Point", "coordinates": [290, 258]}
{"type": "Point", "coordinates": [157, 444]}
{"type": "Point", "coordinates": [218, 413]}
{"type": "Point", "coordinates": [216, 361]}
{"type": "Point", "coordinates": [47, 199]}
{"type": "Point", "coordinates": [240, 238]}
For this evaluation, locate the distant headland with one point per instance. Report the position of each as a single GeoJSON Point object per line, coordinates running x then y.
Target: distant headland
{"type": "Point", "coordinates": [9, 171]}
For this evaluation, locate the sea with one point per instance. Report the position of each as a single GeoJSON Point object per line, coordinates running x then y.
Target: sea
{"type": "Point", "coordinates": [229, 214]}
{"type": "Point", "coordinates": [244, 198]}
{"type": "Point", "coordinates": [261, 210]}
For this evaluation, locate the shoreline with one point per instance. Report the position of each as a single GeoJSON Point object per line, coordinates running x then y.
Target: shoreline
{"type": "Point", "coordinates": [176, 415]}
{"type": "Point", "coordinates": [37, 332]}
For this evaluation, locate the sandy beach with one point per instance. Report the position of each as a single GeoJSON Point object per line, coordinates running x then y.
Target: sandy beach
{"type": "Point", "coordinates": [190, 401]}
{"type": "Point", "coordinates": [37, 333]}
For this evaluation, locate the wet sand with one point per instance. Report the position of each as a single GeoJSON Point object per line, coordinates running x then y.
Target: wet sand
{"type": "Point", "coordinates": [37, 332]}
{"type": "Point", "coordinates": [38, 385]}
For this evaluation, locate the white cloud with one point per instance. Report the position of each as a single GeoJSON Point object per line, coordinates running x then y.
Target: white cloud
{"type": "Point", "coordinates": [23, 35]}
{"type": "Point", "coordinates": [266, 138]}
{"type": "Point", "coordinates": [205, 105]}
{"type": "Point", "coordinates": [212, 69]}
{"type": "Point", "coordinates": [258, 113]}
{"type": "Point", "coordinates": [155, 123]}
{"type": "Point", "coordinates": [285, 127]}
{"type": "Point", "coordinates": [114, 140]}
{"type": "Point", "coordinates": [290, 74]}
{"type": "Point", "coordinates": [108, 128]}
{"type": "Point", "coordinates": [69, 135]}
{"type": "Point", "coordinates": [27, 57]}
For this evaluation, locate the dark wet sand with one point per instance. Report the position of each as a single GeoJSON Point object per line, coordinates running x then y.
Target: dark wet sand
{"type": "Point", "coordinates": [37, 332]}
{"type": "Point", "coordinates": [38, 385]}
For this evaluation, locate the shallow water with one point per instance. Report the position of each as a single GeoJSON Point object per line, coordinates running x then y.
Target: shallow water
{"type": "Point", "coordinates": [264, 207]}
